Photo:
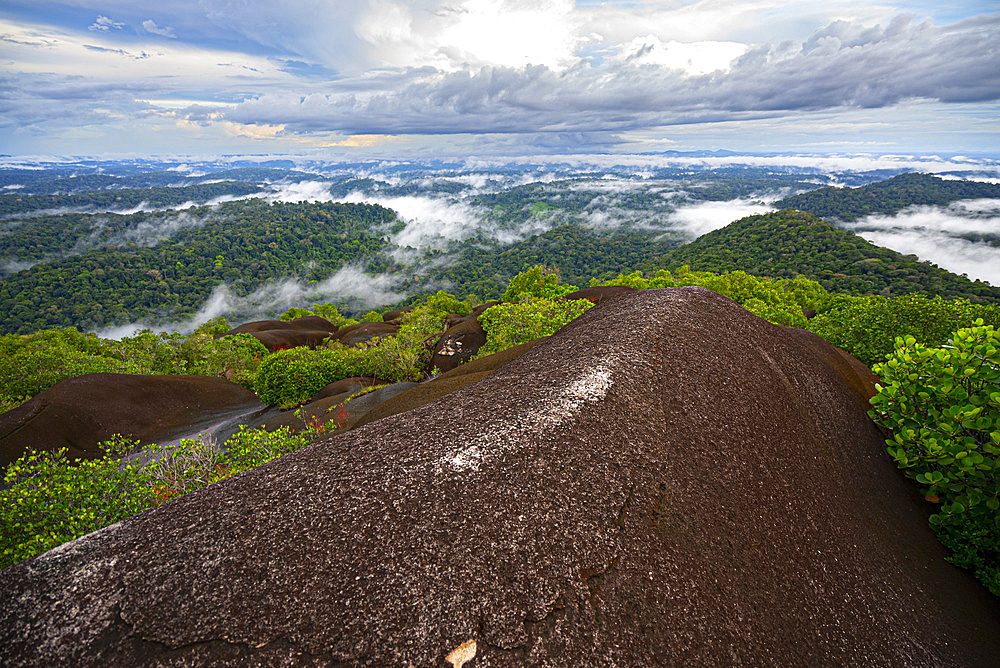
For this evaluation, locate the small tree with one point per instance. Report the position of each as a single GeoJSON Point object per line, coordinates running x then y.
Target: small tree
{"type": "Point", "coordinates": [536, 282]}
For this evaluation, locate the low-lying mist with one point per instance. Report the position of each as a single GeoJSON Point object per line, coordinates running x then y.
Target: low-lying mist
{"type": "Point", "coordinates": [349, 286]}
{"type": "Point", "coordinates": [937, 234]}
{"type": "Point", "coordinates": [703, 217]}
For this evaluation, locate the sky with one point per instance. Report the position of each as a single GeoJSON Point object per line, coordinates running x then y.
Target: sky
{"type": "Point", "coordinates": [377, 78]}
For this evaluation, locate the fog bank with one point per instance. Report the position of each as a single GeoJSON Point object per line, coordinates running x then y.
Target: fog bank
{"type": "Point", "coordinates": [349, 285]}
{"type": "Point", "coordinates": [936, 233]}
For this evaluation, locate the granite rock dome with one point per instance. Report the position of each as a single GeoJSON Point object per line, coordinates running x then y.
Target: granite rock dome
{"type": "Point", "coordinates": [669, 480]}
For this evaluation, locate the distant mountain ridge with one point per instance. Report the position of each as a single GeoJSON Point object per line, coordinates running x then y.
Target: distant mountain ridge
{"type": "Point", "coordinates": [886, 197]}
{"type": "Point", "coordinates": [123, 198]}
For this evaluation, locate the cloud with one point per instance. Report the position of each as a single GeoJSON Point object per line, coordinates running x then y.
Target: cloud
{"type": "Point", "coordinates": [300, 191]}
{"type": "Point", "coordinates": [458, 35]}
{"type": "Point", "coordinates": [10, 266]}
{"type": "Point", "coordinates": [482, 75]}
{"type": "Point", "coordinates": [120, 52]}
{"type": "Point", "coordinates": [698, 219]}
{"type": "Point", "coordinates": [936, 233]}
{"type": "Point", "coordinates": [349, 285]}
{"type": "Point", "coordinates": [844, 65]}
{"type": "Point", "coordinates": [71, 80]}
{"type": "Point", "coordinates": [960, 256]}
{"type": "Point", "coordinates": [692, 58]}
{"type": "Point", "coordinates": [104, 24]}
{"type": "Point", "coordinates": [430, 222]}
{"type": "Point", "coordinates": [363, 141]}
{"type": "Point", "coordinates": [812, 163]}
{"type": "Point", "coordinates": [976, 216]}
{"type": "Point", "coordinates": [149, 25]}
{"type": "Point", "coordinates": [148, 232]}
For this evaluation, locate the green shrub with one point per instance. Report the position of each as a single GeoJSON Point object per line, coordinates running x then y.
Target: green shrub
{"type": "Point", "coordinates": [291, 377]}
{"type": "Point", "coordinates": [330, 312]}
{"type": "Point", "coordinates": [507, 325]}
{"type": "Point", "coordinates": [175, 470]}
{"type": "Point", "coordinates": [235, 357]}
{"type": "Point", "coordinates": [248, 449]}
{"type": "Point", "coordinates": [147, 353]}
{"type": "Point", "coordinates": [48, 500]}
{"type": "Point", "coordinates": [536, 282]}
{"type": "Point", "coordinates": [780, 301]}
{"type": "Point", "coordinates": [213, 327]}
{"type": "Point", "coordinates": [10, 403]}
{"type": "Point", "coordinates": [295, 312]}
{"type": "Point", "coordinates": [867, 326]}
{"type": "Point", "coordinates": [30, 364]}
{"type": "Point", "coordinates": [943, 408]}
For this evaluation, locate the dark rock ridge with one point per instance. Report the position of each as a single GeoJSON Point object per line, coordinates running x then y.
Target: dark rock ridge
{"type": "Point", "coordinates": [309, 331]}
{"type": "Point", "coordinates": [345, 387]}
{"type": "Point", "coordinates": [311, 323]}
{"type": "Point", "coordinates": [599, 293]}
{"type": "Point", "coordinates": [80, 413]}
{"type": "Point", "coordinates": [669, 480]}
{"type": "Point", "coordinates": [364, 331]}
{"type": "Point", "coordinates": [326, 409]}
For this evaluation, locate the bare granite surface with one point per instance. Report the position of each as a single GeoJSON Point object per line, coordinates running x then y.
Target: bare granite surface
{"type": "Point", "coordinates": [669, 480]}
{"type": "Point", "coordinates": [80, 413]}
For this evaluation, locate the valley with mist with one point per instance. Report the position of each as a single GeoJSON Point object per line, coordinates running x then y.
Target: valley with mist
{"type": "Point", "coordinates": [83, 245]}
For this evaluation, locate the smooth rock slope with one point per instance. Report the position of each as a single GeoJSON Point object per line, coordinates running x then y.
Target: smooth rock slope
{"type": "Point", "coordinates": [669, 480]}
{"type": "Point", "coordinates": [81, 413]}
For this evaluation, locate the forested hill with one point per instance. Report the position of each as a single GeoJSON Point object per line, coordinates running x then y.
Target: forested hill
{"type": "Point", "coordinates": [787, 243]}
{"type": "Point", "coordinates": [125, 198]}
{"type": "Point", "coordinates": [886, 197]}
{"type": "Point", "coordinates": [242, 244]}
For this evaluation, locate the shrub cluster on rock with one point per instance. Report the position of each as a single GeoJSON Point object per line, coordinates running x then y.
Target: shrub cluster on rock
{"type": "Point", "coordinates": [47, 500]}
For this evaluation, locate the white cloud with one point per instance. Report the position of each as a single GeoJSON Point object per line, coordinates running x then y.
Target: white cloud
{"type": "Point", "coordinates": [935, 233]}
{"type": "Point", "coordinates": [471, 33]}
{"type": "Point", "coordinates": [843, 65]}
{"type": "Point", "coordinates": [814, 162]}
{"type": "Point", "coordinates": [348, 284]}
{"type": "Point", "coordinates": [698, 219]}
{"type": "Point", "coordinates": [301, 191]}
{"type": "Point", "coordinates": [150, 26]}
{"type": "Point", "coordinates": [957, 255]}
{"type": "Point", "coordinates": [431, 222]}
{"type": "Point", "coordinates": [104, 24]}
{"type": "Point", "coordinates": [693, 58]}
{"type": "Point", "coordinates": [974, 216]}
{"type": "Point", "coordinates": [560, 71]}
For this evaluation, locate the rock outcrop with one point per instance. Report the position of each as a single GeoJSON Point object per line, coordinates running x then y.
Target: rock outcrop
{"type": "Point", "coordinates": [599, 293]}
{"type": "Point", "coordinates": [669, 480]}
{"type": "Point", "coordinates": [309, 331]}
{"type": "Point", "coordinates": [365, 331]}
{"type": "Point", "coordinates": [458, 344]}
{"type": "Point", "coordinates": [80, 413]}
{"type": "Point", "coordinates": [327, 408]}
